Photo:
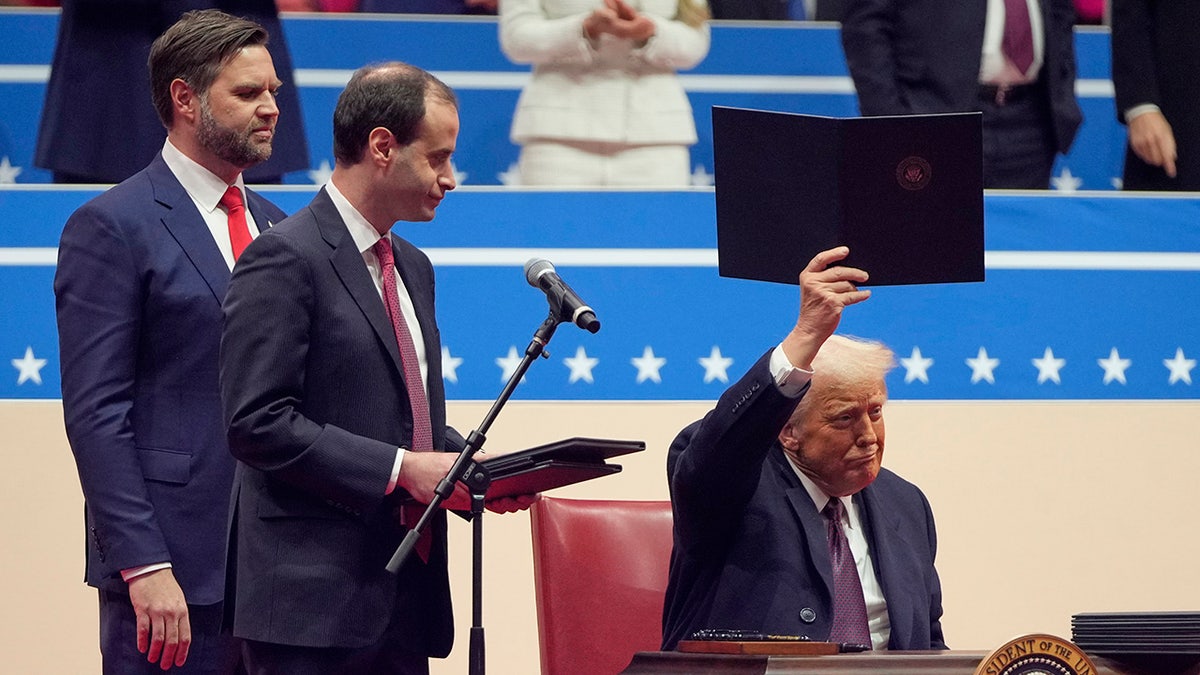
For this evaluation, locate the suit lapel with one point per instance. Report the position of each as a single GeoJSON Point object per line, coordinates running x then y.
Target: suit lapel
{"type": "Point", "coordinates": [812, 523]}
{"type": "Point", "coordinates": [186, 225]}
{"type": "Point", "coordinates": [882, 533]}
{"type": "Point", "coordinates": [261, 220]}
{"type": "Point", "coordinates": [347, 262]}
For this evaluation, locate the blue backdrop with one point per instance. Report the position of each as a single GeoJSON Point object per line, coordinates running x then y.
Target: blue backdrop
{"type": "Point", "coordinates": [1100, 289]}
{"type": "Point", "coordinates": [785, 66]}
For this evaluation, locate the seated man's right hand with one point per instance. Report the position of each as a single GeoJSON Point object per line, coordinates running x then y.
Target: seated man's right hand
{"type": "Point", "coordinates": [824, 292]}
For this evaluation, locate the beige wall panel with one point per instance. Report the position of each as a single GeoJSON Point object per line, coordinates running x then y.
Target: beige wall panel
{"type": "Point", "coordinates": [1043, 510]}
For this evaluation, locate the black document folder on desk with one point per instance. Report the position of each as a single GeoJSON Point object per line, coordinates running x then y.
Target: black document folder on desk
{"type": "Point", "coordinates": [905, 193]}
{"type": "Point", "coordinates": [553, 465]}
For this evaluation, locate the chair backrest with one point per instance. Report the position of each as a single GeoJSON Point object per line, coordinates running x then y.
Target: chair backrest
{"type": "Point", "coordinates": [600, 574]}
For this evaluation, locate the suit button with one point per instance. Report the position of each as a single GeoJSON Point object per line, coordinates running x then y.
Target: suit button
{"type": "Point", "coordinates": [807, 615]}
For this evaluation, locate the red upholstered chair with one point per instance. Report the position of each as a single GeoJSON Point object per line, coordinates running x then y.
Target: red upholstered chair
{"type": "Point", "coordinates": [600, 573]}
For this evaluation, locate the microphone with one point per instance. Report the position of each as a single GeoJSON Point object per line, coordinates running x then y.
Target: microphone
{"type": "Point", "coordinates": [540, 274]}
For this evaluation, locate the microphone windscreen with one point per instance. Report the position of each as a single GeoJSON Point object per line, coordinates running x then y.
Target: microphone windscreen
{"type": "Point", "coordinates": [535, 268]}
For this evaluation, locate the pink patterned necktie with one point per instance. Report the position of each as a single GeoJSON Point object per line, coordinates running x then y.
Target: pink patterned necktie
{"type": "Point", "coordinates": [1018, 34]}
{"type": "Point", "coordinates": [422, 435]}
{"type": "Point", "coordinates": [849, 607]}
{"type": "Point", "coordinates": [239, 231]}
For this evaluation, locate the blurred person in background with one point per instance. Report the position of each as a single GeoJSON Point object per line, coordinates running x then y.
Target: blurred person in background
{"type": "Point", "coordinates": [604, 106]}
{"type": "Point", "coordinates": [1156, 77]}
{"type": "Point", "coordinates": [98, 125]}
{"type": "Point", "coordinates": [1013, 60]}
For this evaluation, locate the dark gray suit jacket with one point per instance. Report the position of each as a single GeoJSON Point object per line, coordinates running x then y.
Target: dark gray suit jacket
{"type": "Point", "coordinates": [750, 546]}
{"type": "Point", "coordinates": [313, 390]}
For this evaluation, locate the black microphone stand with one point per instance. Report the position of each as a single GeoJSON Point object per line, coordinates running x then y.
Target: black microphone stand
{"type": "Point", "coordinates": [477, 480]}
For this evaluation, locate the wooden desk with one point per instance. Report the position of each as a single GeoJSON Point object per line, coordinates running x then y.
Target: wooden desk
{"type": "Point", "coordinates": [892, 663]}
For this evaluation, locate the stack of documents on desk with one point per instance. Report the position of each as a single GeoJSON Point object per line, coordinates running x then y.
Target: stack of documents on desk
{"type": "Point", "coordinates": [1124, 634]}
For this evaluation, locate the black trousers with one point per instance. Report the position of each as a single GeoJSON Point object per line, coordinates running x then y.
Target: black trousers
{"type": "Point", "coordinates": [1018, 139]}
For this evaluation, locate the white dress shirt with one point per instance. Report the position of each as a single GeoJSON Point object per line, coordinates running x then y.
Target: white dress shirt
{"type": "Point", "coordinates": [206, 190]}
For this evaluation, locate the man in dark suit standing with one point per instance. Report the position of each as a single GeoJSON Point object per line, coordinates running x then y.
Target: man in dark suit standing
{"type": "Point", "coordinates": [331, 377]}
{"type": "Point", "coordinates": [785, 521]}
{"type": "Point", "coordinates": [1156, 76]}
{"type": "Point", "coordinates": [99, 90]}
{"type": "Point", "coordinates": [142, 271]}
{"type": "Point", "coordinates": [1014, 60]}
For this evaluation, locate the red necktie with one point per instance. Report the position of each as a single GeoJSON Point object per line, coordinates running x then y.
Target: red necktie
{"type": "Point", "coordinates": [849, 607]}
{"type": "Point", "coordinates": [239, 231]}
{"type": "Point", "coordinates": [422, 435]}
{"type": "Point", "coordinates": [1018, 35]}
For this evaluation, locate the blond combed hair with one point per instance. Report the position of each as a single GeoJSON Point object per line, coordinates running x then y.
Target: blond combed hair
{"type": "Point", "coordinates": [692, 13]}
{"type": "Point", "coordinates": [846, 363]}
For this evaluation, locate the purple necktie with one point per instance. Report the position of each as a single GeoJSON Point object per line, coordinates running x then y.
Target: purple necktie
{"type": "Point", "coordinates": [1018, 35]}
{"type": "Point", "coordinates": [422, 435]}
{"type": "Point", "coordinates": [849, 608]}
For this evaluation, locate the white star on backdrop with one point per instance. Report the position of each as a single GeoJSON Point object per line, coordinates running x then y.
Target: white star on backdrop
{"type": "Point", "coordinates": [321, 174]}
{"type": "Point", "coordinates": [1114, 367]}
{"type": "Point", "coordinates": [581, 366]}
{"type": "Point", "coordinates": [509, 363]}
{"type": "Point", "coordinates": [460, 177]}
{"type": "Point", "coordinates": [982, 366]}
{"type": "Point", "coordinates": [1180, 367]}
{"type": "Point", "coordinates": [512, 177]}
{"type": "Point", "coordinates": [1048, 367]}
{"type": "Point", "coordinates": [8, 172]}
{"type": "Point", "coordinates": [701, 177]}
{"type": "Point", "coordinates": [648, 366]}
{"type": "Point", "coordinates": [715, 366]}
{"type": "Point", "coordinates": [1066, 182]}
{"type": "Point", "coordinates": [450, 365]}
{"type": "Point", "coordinates": [916, 367]}
{"type": "Point", "coordinates": [30, 368]}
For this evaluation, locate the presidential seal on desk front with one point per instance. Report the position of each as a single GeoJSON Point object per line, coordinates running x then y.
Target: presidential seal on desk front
{"type": "Point", "coordinates": [1037, 654]}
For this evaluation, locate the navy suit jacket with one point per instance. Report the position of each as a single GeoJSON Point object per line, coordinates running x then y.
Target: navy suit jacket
{"type": "Point", "coordinates": [314, 392]}
{"type": "Point", "coordinates": [99, 89]}
{"type": "Point", "coordinates": [138, 289]}
{"type": "Point", "coordinates": [750, 546]}
{"type": "Point", "coordinates": [922, 56]}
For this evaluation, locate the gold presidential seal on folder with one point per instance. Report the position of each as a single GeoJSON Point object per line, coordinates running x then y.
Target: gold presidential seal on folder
{"type": "Point", "coordinates": [1037, 654]}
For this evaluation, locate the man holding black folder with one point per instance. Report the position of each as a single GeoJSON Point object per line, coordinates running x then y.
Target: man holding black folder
{"type": "Point", "coordinates": [785, 522]}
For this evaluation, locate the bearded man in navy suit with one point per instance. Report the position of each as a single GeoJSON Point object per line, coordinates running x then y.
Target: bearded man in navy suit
{"type": "Point", "coordinates": [750, 483]}
{"type": "Point", "coordinates": [142, 271]}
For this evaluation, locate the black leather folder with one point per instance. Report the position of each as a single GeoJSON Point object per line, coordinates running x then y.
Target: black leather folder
{"type": "Point", "coordinates": [905, 193]}
{"type": "Point", "coordinates": [554, 465]}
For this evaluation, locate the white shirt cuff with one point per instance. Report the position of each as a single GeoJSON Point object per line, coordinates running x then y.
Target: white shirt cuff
{"type": "Point", "coordinates": [1139, 110]}
{"type": "Point", "coordinates": [391, 487]}
{"type": "Point", "coordinates": [790, 379]}
{"type": "Point", "coordinates": [134, 572]}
